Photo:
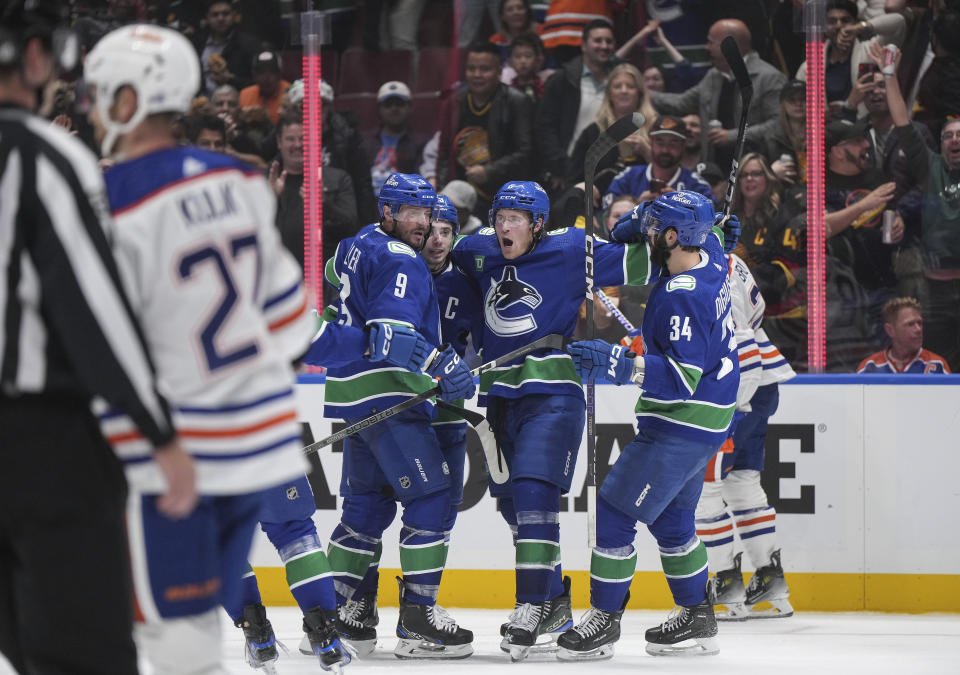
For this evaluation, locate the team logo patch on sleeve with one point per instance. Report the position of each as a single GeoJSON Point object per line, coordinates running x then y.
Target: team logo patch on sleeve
{"type": "Point", "coordinates": [681, 282]}
{"type": "Point", "coordinates": [400, 247]}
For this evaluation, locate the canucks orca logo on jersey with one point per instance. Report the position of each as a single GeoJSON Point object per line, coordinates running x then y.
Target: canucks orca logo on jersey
{"type": "Point", "coordinates": [504, 302]}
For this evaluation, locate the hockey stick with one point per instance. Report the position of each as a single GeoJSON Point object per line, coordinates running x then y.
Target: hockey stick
{"type": "Point", "coordinates": [735, 60]}
{"type": "Point", "coordinates": [615, 311]}
{"type": "Point", "coordinates": [496, 466]}
{"type": "Point", "coordinates": [552, 341]}
{"type": "Point", "coordinates": [615, 133]}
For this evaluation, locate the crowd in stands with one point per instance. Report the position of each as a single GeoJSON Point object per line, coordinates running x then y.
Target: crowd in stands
{"type": "Point", "coordinates": [472, 93]}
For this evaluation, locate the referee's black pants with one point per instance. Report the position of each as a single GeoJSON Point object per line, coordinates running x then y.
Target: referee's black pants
{"type": "Point", "coordinates": [65, 593]}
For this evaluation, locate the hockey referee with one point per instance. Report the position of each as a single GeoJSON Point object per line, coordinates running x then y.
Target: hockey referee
{"type": "Point", "coordinates": [67, 334]}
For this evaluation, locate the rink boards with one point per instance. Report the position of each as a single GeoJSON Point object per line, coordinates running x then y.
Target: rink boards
{"type": "Point", "coordinates": [863, 472]}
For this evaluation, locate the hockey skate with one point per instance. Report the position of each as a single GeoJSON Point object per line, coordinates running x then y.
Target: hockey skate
{"type": "Point", "coordinates": [688, 631]}
{"type": "Point", "coordinates": [726, 589]}
{"type": "Point", "coordinates": [356, 623]}
{"type": "Point", "coordinates": [593, 638]}
{"type": "Point", "coordinates": [429, 632]}
{"type": "Point", "coordinates": [768, 585]}
{"type": "Point", "coordinates": [558, 619]}
{"type": "Point", "coordinates": [260, 644]}
{"type": "Point", "coordinates": [320, 627]}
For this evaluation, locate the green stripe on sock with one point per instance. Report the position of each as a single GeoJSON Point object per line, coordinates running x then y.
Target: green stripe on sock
{"type": "Point", "coordinates": [422, 558]}
{"type": "Point", "coordinates": [351, 562]}
{"type": "Point", "coordinates": [306, 567]}
{"type": "Point", "coordinates": [612, 569]}
{"type": "Point", "coordinates": [688, 564]}
{"type": "Point", "coordinates": [545, 553]}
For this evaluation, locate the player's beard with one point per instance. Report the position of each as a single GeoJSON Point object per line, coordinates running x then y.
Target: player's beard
{"type": "Point", "coordinates": [659, 251]}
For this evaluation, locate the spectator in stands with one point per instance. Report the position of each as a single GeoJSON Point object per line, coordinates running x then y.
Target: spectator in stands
{"type": "Point", "coordinates": [693, 149]}
{"type": "Point", "coordinates": [664, 174]}
{"type": "Point", "coordinates": [286, 178]}
{"type": "Point", "coordinates": [524, 70]}
{"type": "Point", "coordinates": [756, 202]}
{"type": "Point", "coordinates": [516, 19]}
{"type": "Point", "coordinates": [782, 139]}
{"type": "Point", "coordinates": [343, 149]}
{"type": "Point", "coordinates": [903, 324]}
{"type": "Point", "coordinates": [226, 106]}
{"type": "Point", "coordinates": [402, 24]}
{"type": "Point", "coordinates": [654, 79]}
{"type": "Point", "coordinates": [939, 91]}
{"type": "Point", "coordinates": [682, 74]}
{"type": "Point", "coordinates": [268, 87]}
{"type": "Point", "coordinates": [939, 175]}
{"type": "Point", "coordinates": [208, 132]}
{"type": "Point", "coordinates": [391, 147]}
{"type": "Point", "coordinates": [571, 98]}
{"type": "Point", "coordinates": [845, 47]}
{"type": "Point", "coordinates": [715, 97]}
{"type": "Point", "coordinates": [565, 26]}
{"type": "Point", "coordinates": [225, 52]}
{"type": "Point", "coordinates": [472, 19]}
{"type": "Point", "coordinates": [623, 94]}
{"type": "Point", "coordinates": [464, 198]}
{"type": "Point", "coordinates": [485, 135]}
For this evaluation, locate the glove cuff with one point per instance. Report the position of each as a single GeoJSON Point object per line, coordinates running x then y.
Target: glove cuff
{"type": "Point", "coordinates": [638, 370]}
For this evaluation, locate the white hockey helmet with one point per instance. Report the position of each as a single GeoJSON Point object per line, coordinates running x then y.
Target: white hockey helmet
{"type": "Point", "coordinates": [159, 64]}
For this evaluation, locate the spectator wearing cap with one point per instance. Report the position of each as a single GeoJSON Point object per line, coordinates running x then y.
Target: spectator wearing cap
{"type": "Point", "coordinates": [860, 266]}
{"type": "Point", "coordinates": [782, 140]}
{"type": "Point", "coordinates": [225, 52]}
{"type": "Point", "coordinates": [392, 148]}
{"type": "Point", "coordinates": [268, 88]}
{"type": "Point", "coordinates": [664, 174]}
{"type": "Point", "coordinates": [903, 324]}
{"type": "Point", "coordinates": [464, 198]}
{"type": "Point", "coordinates": [485, 131]}
{"type": "Point", "coordinates": [845, 48]}
{"type": "Point", "coordinates": [715, 97]}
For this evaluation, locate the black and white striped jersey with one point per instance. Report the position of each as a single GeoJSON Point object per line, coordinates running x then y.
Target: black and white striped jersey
{"type": "Point", "coordinates": [67, 327]}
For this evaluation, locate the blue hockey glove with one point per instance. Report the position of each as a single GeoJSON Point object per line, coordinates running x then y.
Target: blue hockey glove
{"type": "Point", "coordinates": [731, 230]}
{"type": "Point", "coordinates": [398, 346]}
{"type": "Point", "coordinates": [629, 226]}
{"type": "Point", "coordinates": [456, 381]}
{"type": "Point", "coordinates": [599, 360]}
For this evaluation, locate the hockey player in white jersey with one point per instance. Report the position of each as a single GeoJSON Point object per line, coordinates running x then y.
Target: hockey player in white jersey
{"type": "Point", "coordinates": [224, 313]}
{"type": "Point", "coordinates": [732, 482]}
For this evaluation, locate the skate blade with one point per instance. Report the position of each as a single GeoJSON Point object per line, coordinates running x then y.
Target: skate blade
{"type": "Point", "coordinates": [546, 643]}
{"type": "Point", "coordinates": [519, 653]}
{"type": "Point", "coordinates": [692, 647]}
{"type": "Point", "coordinates": [421, 649]}
{"type": "Point", "coordinates": [598, 654]}
{"type": "Point", "coordinates": [736, 611]}
{"type": "Point", "coordinates": [780, 608]}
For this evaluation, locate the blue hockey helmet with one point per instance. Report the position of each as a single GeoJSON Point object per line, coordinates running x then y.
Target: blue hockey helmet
{"type": "Point", "coordinates": [405, 188]}
{"type": "Point", "coordinates": [445, 210]}
{"type": "Point", "coordinates": [689, 213]}
{"type": "Point", "coordinates": [525, 195]}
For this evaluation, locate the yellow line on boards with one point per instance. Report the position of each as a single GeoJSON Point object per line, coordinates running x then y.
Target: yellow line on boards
{"type": "Point", "coordinates": [834, 592]}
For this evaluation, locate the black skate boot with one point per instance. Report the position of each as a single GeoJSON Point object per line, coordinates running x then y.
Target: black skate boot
{"type": "Point", "coordinates": [558, 619]}
{"type": "Point", "coordinates": [768, 585]}
{"type": "Point", "coordinates": [593, 638]}
{"type": "Point", "coordinates": [260, 648]}
{"type": "Point", "coordinates": [320, 627]}
{"type": "Point", "coordinates": [688, 631]}
{"type": "Point", "coordinates": [356, 623]}
{"type": "Point", "coordinates": [429, 632]}
{"type": "Point", "coordinates": [726, 589]}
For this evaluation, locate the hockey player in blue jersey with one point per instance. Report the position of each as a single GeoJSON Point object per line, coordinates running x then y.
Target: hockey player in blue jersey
{"type": "Point", "coordinates": [688, 377]}
{"type": "Point", "coordinates": [458, 298]}
{"type": "Point", "coordinates": [386, 288]}
{"type": "Point", "coordinates": [533, 283]}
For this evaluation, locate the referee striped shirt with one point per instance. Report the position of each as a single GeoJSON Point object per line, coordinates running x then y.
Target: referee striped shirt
{"type": "Point", "coordinates": [68, 328]}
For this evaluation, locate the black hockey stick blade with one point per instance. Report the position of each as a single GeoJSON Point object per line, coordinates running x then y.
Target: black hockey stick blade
{"type": "Point", "coordinates": [551, 341]}
{"type": "Point", "coordinates": [737, 67]}
{"type": "Point", "coordinates": [496, 467]}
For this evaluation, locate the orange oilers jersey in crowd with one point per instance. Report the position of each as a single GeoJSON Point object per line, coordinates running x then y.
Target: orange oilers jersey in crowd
{"type": "Point", "coordinates": [223, 312]}
{"type": "Point", "coordinates": [923, 363]}
{"type": "Point", "coordinates": [565, 20]}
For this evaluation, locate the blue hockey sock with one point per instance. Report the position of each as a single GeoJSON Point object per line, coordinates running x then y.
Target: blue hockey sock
{"type": "Point", "coordinates": [423, 548]}
{"type": "Point", "coordinates": [308, 573]}
{"type": "Point", "coordinates": [371, 580]}
{"type": "Point", "coordinates": [349, 554]}
{"type": "Point", "coordinates": [614, 560]}
{"type": "Point", "coordinates": [686, 570]}
{"type": "Point", "coordinates": [249, 594]}
{"type": "Point", "coordinates": [538, 538]}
